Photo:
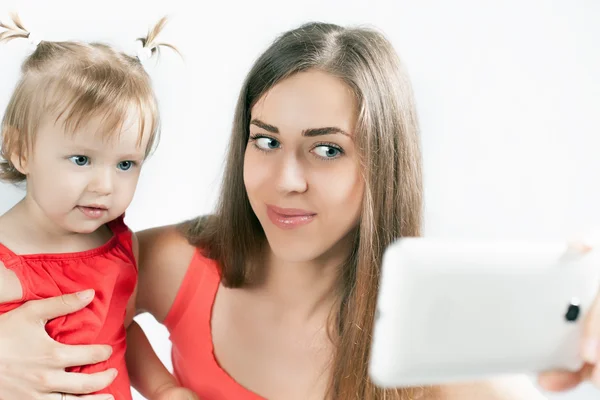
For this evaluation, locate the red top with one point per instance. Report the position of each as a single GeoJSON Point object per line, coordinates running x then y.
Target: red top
{"type": "Point", "coordinates": [110, 270]}
{"type": "Point", "coordinates": [188, 321]}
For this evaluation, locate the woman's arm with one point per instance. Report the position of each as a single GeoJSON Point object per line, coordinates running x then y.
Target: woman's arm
{"type": "Point", "coordinates": [164, 257]}
{"type": "Point", "coordinates": [147, 373]}
{"type": "Point", "coordinates": [32, 365]}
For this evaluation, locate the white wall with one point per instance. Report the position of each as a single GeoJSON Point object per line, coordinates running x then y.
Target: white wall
{"type": "Point", "coordinates": [508, 96]}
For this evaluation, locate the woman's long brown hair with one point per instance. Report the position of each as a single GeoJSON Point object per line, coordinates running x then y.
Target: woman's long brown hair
{"type": "Point", "coordinates": [387, 139]}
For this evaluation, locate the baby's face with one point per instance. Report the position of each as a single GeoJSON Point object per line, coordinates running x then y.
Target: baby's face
{"type": "Point", "coordinates": [81, 180]}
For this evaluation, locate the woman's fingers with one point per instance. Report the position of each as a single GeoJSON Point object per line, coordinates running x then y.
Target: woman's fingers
{"type": "Point", "coordinates": [66, 356]}
{"type": "Point", "coordinates": [557, 381]}
{"type": "Point", "coordinates": [78, 383]}
{"type": "Point", "coordinates": [590, 350]}
{"type": "Point", "coordinates": [47, 309]}
{"type": "Point", "coordinates": [590, 342]}
{"type": "Point", "coordinates": [58, 396]}
{"type": "Point", "coordinates": [32, 365]}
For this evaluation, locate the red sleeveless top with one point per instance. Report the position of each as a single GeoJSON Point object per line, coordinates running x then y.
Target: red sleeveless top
{"type": "Point", "coordinates": [188, 322]}
{"type": "Point", "coordinates": [111, 271]}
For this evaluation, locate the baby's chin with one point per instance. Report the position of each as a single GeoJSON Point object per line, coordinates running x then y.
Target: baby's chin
{"type": "Point", "coordinates": [84, 230]}
{"type": "Point", "coordinates": [87, 227]}
{"type": "Point", "coordinates": [87, 231]}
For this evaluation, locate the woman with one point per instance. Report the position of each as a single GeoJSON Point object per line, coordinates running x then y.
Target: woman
{"type": "Point", "coordinates": [274, 296]}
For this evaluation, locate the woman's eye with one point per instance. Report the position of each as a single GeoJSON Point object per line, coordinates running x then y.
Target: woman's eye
{"type": "Point", "coordinates": [327, 151]}
{"type": "Point", "coordinates": [125, 165]}
{"type": "Point", "coordinates": [80, 160]}
{"type": "Point", "coordinates": [266, 143]}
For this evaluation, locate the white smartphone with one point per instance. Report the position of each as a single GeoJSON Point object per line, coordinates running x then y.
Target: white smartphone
{"type": "Point", "coordinates": [464, 310]}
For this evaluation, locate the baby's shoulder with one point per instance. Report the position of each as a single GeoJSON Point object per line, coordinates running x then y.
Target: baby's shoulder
{"type": "Point", "coordinates": [10, 285]}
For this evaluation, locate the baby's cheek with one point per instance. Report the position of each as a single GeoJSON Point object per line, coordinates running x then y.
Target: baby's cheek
{"type": "Point", "coordinates": [122, 197]}
{"type": "Point", "coordinates": [55, 185]}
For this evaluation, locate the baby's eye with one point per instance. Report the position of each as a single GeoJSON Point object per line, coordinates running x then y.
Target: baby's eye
{"type": "Point", "coordinates": [80, 160]}
{"type": "Point", "coordinates": [125, 165]}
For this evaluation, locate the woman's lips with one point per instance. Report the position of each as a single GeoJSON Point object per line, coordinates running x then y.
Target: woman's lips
{"type": "Point", "coordinates": [289, 218]}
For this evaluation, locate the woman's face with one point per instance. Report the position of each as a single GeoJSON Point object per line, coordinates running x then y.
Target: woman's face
{"type": "Point", "coordinates": [301, 167]}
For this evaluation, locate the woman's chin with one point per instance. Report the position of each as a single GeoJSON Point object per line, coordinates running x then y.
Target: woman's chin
{"type": "Point", "coordinates": [295, 251]}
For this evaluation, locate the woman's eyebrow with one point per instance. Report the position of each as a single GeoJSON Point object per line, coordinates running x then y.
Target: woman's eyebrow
{"type": "Point", "coordinates": [265, 126]}
{"type": "Point", "coordinates": [329, 130]}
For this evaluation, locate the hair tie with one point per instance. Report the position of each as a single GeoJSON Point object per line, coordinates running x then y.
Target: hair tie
{"type": "Point", "coordinates": [34, 40]}
{"type": "Point", "coordinates": [143, 53]}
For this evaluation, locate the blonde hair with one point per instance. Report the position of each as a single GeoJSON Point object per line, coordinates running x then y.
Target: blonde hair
{"type": "Point", "coordinates": [388, 143]}
{"type": "Point", "coordinates": [75, 81]}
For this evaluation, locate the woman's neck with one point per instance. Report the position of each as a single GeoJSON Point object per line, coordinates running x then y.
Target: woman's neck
{"type": "Point", "coordinates": [304, 289]}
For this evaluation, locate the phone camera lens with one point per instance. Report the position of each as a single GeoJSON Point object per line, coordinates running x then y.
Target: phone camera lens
{"type": "Point", "coordinates": [573, 311]}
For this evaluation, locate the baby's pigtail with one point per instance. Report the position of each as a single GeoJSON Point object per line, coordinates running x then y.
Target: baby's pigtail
{"type": "Point", "coordinates": [13, 29]}
{"type": "Point", "coordinates": [150, 46]}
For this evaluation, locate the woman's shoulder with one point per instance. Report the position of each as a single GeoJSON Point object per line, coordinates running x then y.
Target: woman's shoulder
{"type": "Point", "coordinates": [164, 257]}
{"type": "Point", "coordinates": [164, 241]}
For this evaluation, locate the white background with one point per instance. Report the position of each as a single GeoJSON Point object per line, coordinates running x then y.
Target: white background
{"type": "Point", "coordinates": [508, 96]}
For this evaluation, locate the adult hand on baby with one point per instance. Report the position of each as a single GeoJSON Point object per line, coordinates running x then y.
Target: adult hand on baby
{"type": "Point", "coordinates": [176, 393]}
{"type": "Point", "coordinates": [32, 365]}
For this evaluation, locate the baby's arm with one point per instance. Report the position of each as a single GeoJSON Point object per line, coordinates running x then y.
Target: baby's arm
{"type": "Point", "coordinates": [147, 373]}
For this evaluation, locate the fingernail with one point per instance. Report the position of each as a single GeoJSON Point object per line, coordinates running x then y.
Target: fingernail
{"type": "Point", "coordinates": [590, 351]}
{"type": "Point", "coordinates": [86, 294]}
{"type": "Point", "coordinates": [109, 397]}
{"type": "Point", "coordinates": [107, 353]}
